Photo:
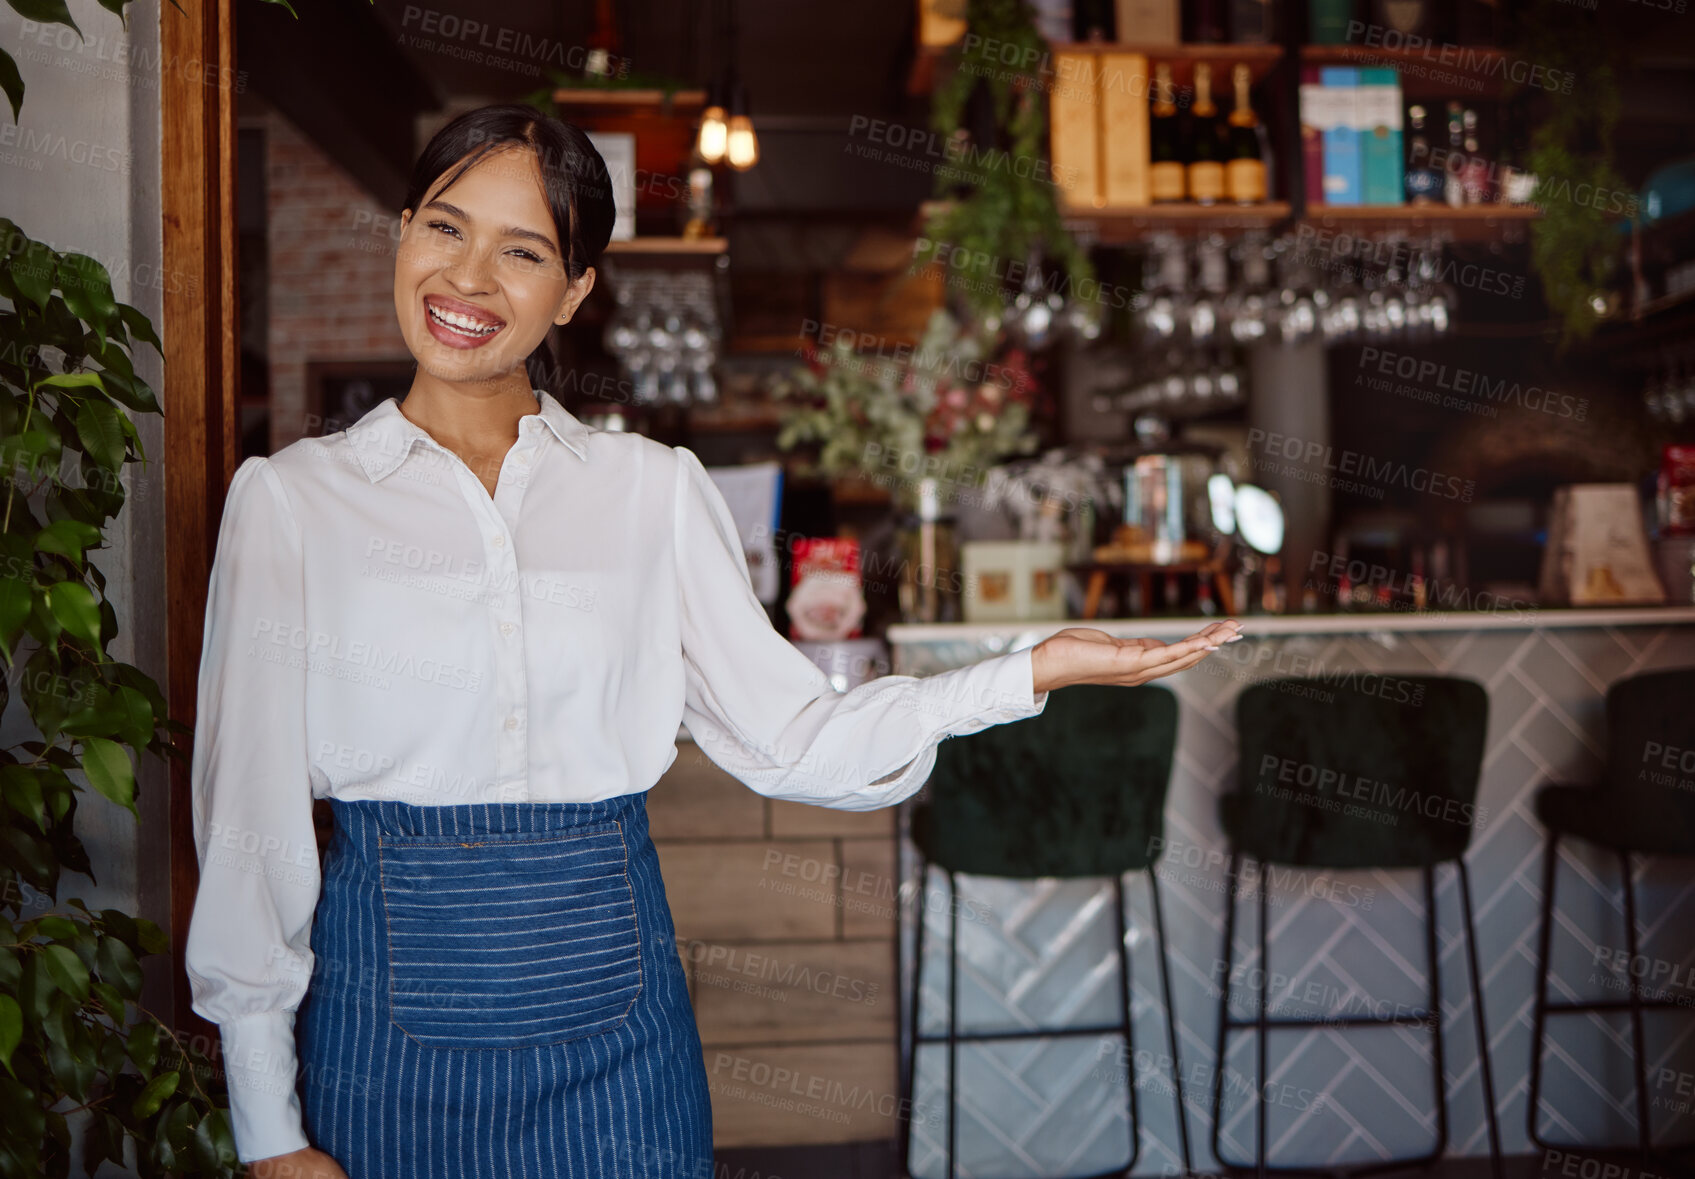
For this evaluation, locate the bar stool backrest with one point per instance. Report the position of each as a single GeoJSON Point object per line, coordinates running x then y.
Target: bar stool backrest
{"type": "Point", "coordinates": [1651, 761]}
{"type": "Point", "coordinates": [1076, 791]}
{"type": "Point", "coordinates": [1378, 773]}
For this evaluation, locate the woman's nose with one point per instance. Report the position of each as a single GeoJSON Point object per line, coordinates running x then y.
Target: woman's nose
{"type": "Point", "coordinates": [470, 268]}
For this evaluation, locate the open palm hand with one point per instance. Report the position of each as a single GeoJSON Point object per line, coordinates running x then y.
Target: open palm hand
{"type": "Point", "coordinates": [1083, 655]}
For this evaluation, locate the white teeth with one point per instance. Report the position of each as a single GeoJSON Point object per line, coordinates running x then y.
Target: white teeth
{"type": "Point", "coordinates": [463, 324]}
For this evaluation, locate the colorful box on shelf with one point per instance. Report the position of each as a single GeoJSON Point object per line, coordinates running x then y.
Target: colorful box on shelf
{"type": "Point", "coordinates": [1351, 135]}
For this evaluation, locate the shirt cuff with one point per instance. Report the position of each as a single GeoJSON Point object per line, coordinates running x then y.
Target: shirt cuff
{"type": "Point", "coordinates": [992, 691]}
{"type": "Point", "coordinates": [259, 1062]}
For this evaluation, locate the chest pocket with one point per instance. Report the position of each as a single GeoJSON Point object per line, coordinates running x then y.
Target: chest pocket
{"type": "Point", "coordinates": [510, 941]}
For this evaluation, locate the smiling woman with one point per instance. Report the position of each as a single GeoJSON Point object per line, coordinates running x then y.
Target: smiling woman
{"type": "Point", "coordinates": [474, 624]}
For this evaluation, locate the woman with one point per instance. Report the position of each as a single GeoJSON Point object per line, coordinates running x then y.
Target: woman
{"type": "Point", "coordinates": [474, 624]}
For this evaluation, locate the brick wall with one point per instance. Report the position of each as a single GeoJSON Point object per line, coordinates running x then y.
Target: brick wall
{"type": "Point", "coordinates": [331, 270]}
{"type": "Point", "coordinates": [786, 920]}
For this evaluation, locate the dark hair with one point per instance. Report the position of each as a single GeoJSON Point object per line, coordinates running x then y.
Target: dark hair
{"type": "Point", "coordinates": [574, 180]}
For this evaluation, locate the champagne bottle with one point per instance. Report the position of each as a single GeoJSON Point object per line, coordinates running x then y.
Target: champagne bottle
{"type": "Point", "coordinates": [1423, 178]}
{"type": "Point", "coordinates": [1206, 143]}
{"type": "Point", "coordinates": [1166, 173]}
{"type": "Point", "coordinates": [1244, 174]}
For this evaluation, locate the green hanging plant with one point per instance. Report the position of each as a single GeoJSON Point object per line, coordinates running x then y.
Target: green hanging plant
{"type": "Point", "coordinates": [998, 200]}
{"type": "Point", "coordinates": [1575, 245]}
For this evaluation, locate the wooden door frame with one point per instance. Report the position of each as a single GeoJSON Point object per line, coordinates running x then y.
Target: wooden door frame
{"type": "Point", "coordinates": [201, 388]}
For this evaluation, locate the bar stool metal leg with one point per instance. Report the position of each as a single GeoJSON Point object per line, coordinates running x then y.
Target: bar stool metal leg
{"type": "Point", "coordinates": [1642, 1124]}
{"type": "Point", "coordinates": [1486, 1072]}
{"type": "Point", "coordinates": [910, 1073]}
{"type": "Point", "coordinates": [1228, 957]}
{"type": "Point", "coordinates": [1539, 1020]}
{"type": "Point", "coordinates": [953, 1025]}
{"type": "Point", "coordinates": [1262, 1033]}
{"type": "Point", "coordinates": [1126, 1029]}
{"type": "Point", "coordinates": [1433, 1007]}
{"type": "Point", "coordinates": [1171, 1027]}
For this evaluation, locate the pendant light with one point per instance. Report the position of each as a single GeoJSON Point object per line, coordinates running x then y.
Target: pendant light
{"type": "Point", "coordinates": [713, 139]}
{"type": "Point", "coordinates": [741, 149]}
{"type": "Point", "coordinates": [727, 136]}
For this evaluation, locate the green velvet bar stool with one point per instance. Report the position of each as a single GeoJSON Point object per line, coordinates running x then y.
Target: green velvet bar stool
{"type": "Point", "coordinates": [1379, 776]}
{"type": "Point", "coordinates": [1078, 791]}
{"type": "Point", "coordinates": [1645, 805]}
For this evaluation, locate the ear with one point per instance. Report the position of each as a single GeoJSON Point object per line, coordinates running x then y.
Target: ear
{"type": "Point", "coordinates": [574, 297]}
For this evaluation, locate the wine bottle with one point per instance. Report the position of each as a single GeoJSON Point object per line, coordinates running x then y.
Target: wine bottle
{"type": "Point", "coordinates": [1423, 178]}
{"type": "Point", "coordinates": [1166, 173]}
{"type": "Point", "coordinates": [1093, 20]}
{"type": "Point", "coordinates": [1409, 18]}
{"type": "Point", "coordinates": [1478, 22]}
{"type": "Point", "coordinates": [1251, 21]}
{"type": "Point", "coordinates": [1475, 178]}
{"type": "Point", "coordinates": [1244, 173]}
{"type": "Point", "coordinates": [1206, 143]}
{"type": "Point", "coordinates": [1453, 191]}
{"type": "Point", "coordinates": [1206, 21]}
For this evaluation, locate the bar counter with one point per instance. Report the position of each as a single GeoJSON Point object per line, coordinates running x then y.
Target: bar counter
{"type": "Point", "coordinates": [1042, 952]}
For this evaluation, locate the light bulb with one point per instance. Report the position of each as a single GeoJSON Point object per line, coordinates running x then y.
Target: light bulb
{"type": "Point", "coordinates": [742, 147]}
{"type": "Point", "coordinates": [713, 134]}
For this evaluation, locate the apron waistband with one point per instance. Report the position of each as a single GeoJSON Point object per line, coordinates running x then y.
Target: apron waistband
{"type": "Point", "coordinates": [494, 818]}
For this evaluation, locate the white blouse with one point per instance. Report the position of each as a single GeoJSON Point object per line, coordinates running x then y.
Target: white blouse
{"type": "Point", "coordinates": [379, 627]}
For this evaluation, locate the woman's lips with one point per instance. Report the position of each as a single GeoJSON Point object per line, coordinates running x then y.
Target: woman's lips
{"type": "Point", "coordinates": [459, 325]}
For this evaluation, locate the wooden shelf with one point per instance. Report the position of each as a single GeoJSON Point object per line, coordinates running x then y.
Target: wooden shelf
{"type": "Point", "coordinates": [1443, 71]}
{"type": "Point", "coordinates": [669, 245]}
{"type": "Point", "coordinates": [611, 96]}
{"type": "Point", "coordinates": [1466, 223]}
{"type": "Point", "coordinates": [1116, 226]}
{"type": "Point", "coordinates": [1261, 59]}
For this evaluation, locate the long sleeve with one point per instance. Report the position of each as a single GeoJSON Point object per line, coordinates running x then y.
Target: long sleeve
{"type": "Point", "coordinates": [248, 953]}
{"type": "Point", "coordinates": [769, 716]}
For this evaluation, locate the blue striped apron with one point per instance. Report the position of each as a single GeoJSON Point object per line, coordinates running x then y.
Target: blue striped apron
{"type": "Point", "coordinates": [497, 993]}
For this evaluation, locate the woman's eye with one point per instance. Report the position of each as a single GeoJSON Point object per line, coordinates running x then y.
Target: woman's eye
{"type": "Point", "coordinates": [445, 227]}
{"type": "Point", "coordinates": [527, 256]}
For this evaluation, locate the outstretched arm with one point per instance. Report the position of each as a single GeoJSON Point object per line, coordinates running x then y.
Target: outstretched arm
{"type": "Point", "coordinates": [766, 714]}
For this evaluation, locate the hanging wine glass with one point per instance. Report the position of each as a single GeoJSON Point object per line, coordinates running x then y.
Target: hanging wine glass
{"type": "Point", "coordinates": [1341, 319]}
{"type": "Point", "coordinates": [1212, 268]}
{"type": "Point", "coordinates": [1441, 302]}
{"type": "Point", "coordinates": [1035, 310]}
{"type": "Point", "coordinates": [1392, 294]}
{"type": "Point", "coordinates": [1248, 306]}
{"type": "Point", "coordinates": [1165, 310]}
{"type": "Point", "coordinates": [1296, 313]}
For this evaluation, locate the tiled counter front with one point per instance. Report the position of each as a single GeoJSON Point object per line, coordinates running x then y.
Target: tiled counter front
{"type": "Point", "coordinates": [1037, 953]}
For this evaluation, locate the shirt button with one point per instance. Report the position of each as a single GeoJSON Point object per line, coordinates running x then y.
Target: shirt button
{"type": "Point", "coordinates": [511, 722]}
{"type": "Point", "coordinates": [499, 542]}
{"type": "Point", "coordinates": [524, 458]}
{"type": "Point", "coordinates": [507, 628]}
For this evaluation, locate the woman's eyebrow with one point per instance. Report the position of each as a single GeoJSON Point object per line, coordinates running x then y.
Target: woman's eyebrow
{"type": "Point", "coordinates": [509, 231]}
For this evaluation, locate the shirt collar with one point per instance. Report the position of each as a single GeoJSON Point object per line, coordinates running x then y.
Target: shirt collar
{"type": "Point", "coordinates": [384, 436]}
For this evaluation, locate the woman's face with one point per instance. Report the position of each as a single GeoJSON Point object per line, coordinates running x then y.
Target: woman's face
{"type": "Point", "coordinates": [479, 276]}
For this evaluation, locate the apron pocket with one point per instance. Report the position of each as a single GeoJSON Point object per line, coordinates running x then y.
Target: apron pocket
{"type": "Point", "coordinates": [510, 940]}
